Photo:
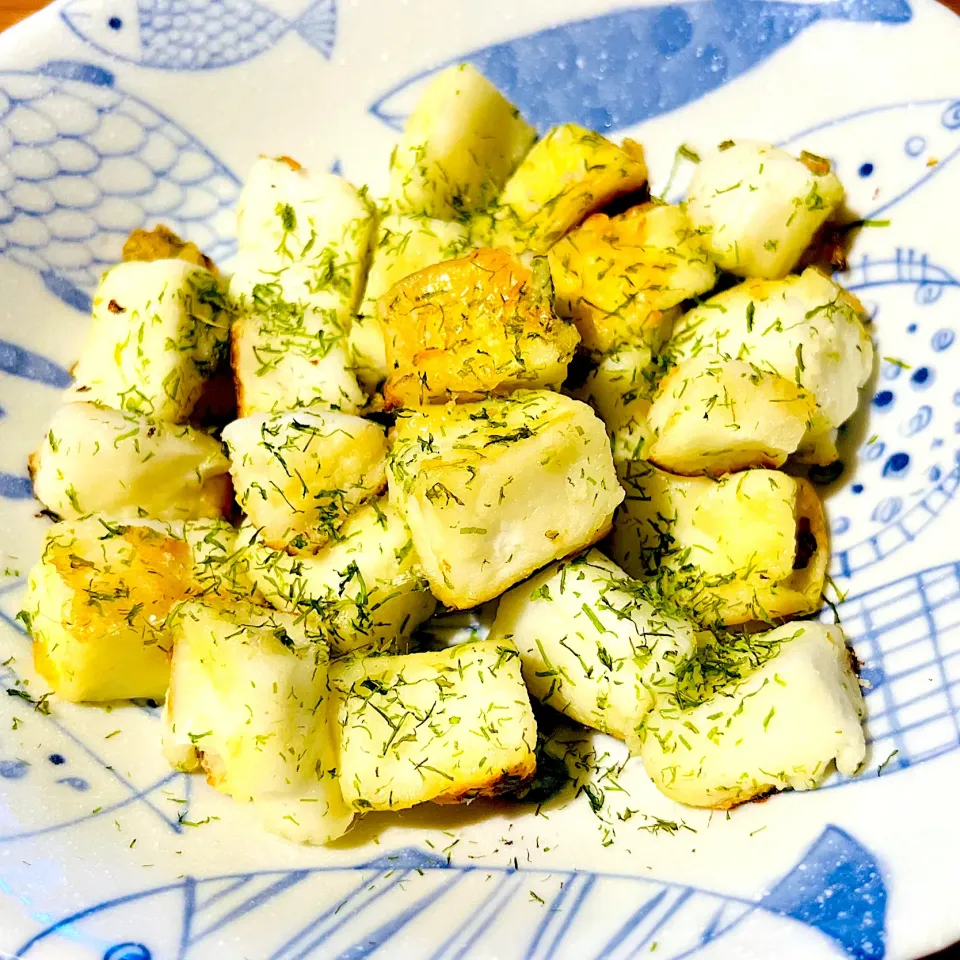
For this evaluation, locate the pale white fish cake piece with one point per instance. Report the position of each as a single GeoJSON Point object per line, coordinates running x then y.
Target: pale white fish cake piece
{"type": "Point", "coordinates": [757, 207]}
{"type": "Point", "coordinates": [777, 726]}
{"type": "Point", "coordinates": [249, 705]}
{"type": "Point", "coordinates": [160, 329]}
{"type": "Point", "coordinates": [491, 491]}
{"type": "Point", "coordinates": [298, 475]}
{"type": "Point", "coordinates": [97, 460]}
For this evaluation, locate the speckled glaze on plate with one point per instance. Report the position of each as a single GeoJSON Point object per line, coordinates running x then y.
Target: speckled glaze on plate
{"type": "Point", "coordinates": [116, 113]}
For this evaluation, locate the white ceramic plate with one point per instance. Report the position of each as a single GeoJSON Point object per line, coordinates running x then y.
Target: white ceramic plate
{"type": "Point", "coordinates": [117, 112]}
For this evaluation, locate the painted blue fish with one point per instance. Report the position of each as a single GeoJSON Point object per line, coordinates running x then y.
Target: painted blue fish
{"type": "Point", "coordinates": [80, 778]}
{"type": "Point", "coordinates": [26, 365]}
{"type": "Point", "coordinates": [906, 635]}
{"type": "Point", "coordinates": [195, 34]}
{"type": "Point", "coordinates": [619, 69]}
{"type": "Point", "coordinates": [904, 454]}
{"type": "Point", "coordinates": [411, 903]}
{"type": "Point", "coordinates": [885, 153]}
{"type": "Point", "coordinates": [82, 164]}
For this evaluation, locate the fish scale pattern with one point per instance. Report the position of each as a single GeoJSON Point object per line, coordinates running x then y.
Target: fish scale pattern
{"type": "Point", "coordinates": [82, 164]}
{"type": "Point", "coordinates": [187, 34]}
{"type": "Point", "coordinates": [196, 34]}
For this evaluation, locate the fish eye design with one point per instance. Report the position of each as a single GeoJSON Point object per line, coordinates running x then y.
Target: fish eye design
{"type": "Point", "coordinates": [115, 23]}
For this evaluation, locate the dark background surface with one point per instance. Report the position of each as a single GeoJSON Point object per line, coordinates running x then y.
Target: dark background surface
{"type": "Point", "coordinates": [951, 953]}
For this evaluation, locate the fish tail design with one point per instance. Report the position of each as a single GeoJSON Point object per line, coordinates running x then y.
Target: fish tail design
{"type": "Point", "coordinates": [318, 26]}
{"type": "Point", "coordinates": [869, 11]}
{"type": "Point", "coordinates": [77, 70]}
{"type": "Point", "coordinates": [905, 529]}
{"type": "Point", "coordinates": [837, 887]}
{"type": "Point", "coordinates": [67, 292]}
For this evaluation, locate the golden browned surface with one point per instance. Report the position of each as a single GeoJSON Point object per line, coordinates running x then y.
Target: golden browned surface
{"type": "Point", "coordinates": [143, 590]}
{"type": "Point", "coordinates": [801, 593]}
{"type": "Point", "coordinates": [161, 243]}
{"type": "Point", "coordinates": [136, 594]}
{"type": "Point", "coordinates": [567, 175]}
{"type": "Point", "coordinates": [471, 327]}
{"type": "Point", "coordinates": [601, 281]}
{"type": "Point", "coordinates": [236, 378]}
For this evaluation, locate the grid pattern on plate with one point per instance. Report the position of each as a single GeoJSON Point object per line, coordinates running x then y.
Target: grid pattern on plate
{"type": "Point", "coordinates": [907, 638]}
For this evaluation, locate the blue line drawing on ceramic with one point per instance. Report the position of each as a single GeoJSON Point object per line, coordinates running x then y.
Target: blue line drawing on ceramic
{"type": "Point", "coordinates": [14, 487]}
{"type": "Point", "coordinates": [882, 154]}
{"type": "Point", "coordinates": [61, 764]}
{"type": "Point", "coordinates": [19, 362]}
{"type": "Point", "coordinates": [906, 635]}
{"type": "Point", "coordinates": [195, 34]}
{"type": "Point", "coordinates": [83, 163]}
{"type": "Point", "coordinates": [835, 896]}
{"type": "Point", "coordinates": [908, 466]}
{"type": "Point", "coordinates": [617, 70]}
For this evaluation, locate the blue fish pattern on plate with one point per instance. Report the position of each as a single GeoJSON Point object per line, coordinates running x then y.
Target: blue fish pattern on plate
{"type": "Point", "coordinates": [27, 365]}
{"type": "Point", "coordinates": [608, 73]}
{"type": "Point", "coordinates": [83, 163]}
{"type": "Point", "coordinates": [195, 34]}
{"type": "Point", "coordinates": [885, 153]}
{"type": "Point", "coordinates": [375, 909]}
{"type": "Point", "coordinates": [619, 69]}
{"type": "Point", "coordinates": [907, 460]}
{"type": "Point", "coordinates": [906, 635]}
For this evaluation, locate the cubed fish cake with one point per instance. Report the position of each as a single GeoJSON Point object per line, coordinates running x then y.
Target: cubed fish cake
{"type": "Point", "coordinates": [366, 585]}
{"type": "Point", "coordinates": [278, 364]}
{"type": "Point", "coordinates": [803, 328]}
{"type": "Point", "coordinates": [770, 712]}
{"type": "Point", "coordinates": [712, 416]}
{"type": "Point", "coordinates": [405, 245]}
{"type": "Point", "coordinates": [249, 705]}
{"type": "Point", "coordinates": [298, 475]}
{"type": "Point", "coordinates": [98, 600]}
{"type": "Point", "coordinates": [462, 141]}
{"type": "Point", "coordinates": [310, 233]}
{"type": "Point", "coordinates": [749, 546]}
{"type": "Point", "coordinates": [468, 328]}
{"type": "Point", "coordinates": [621, 389]}
{"type": "Point", "coordinates": [492, 491]}
{"type": "Point", "coordinates": [619, 278]}
{"type": "Point", "coordinates": [121, 465]}
{"type": "Point", "coordinates": [757, 207]}
{"type": "Point", "coordinates": [445, 726]}
{"type": "Point", "coordinates": [594, 644]}
{"type": "Point", "coordinates": [160, 330]}
{"type": "Point", "coordinates": [569, 173]}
